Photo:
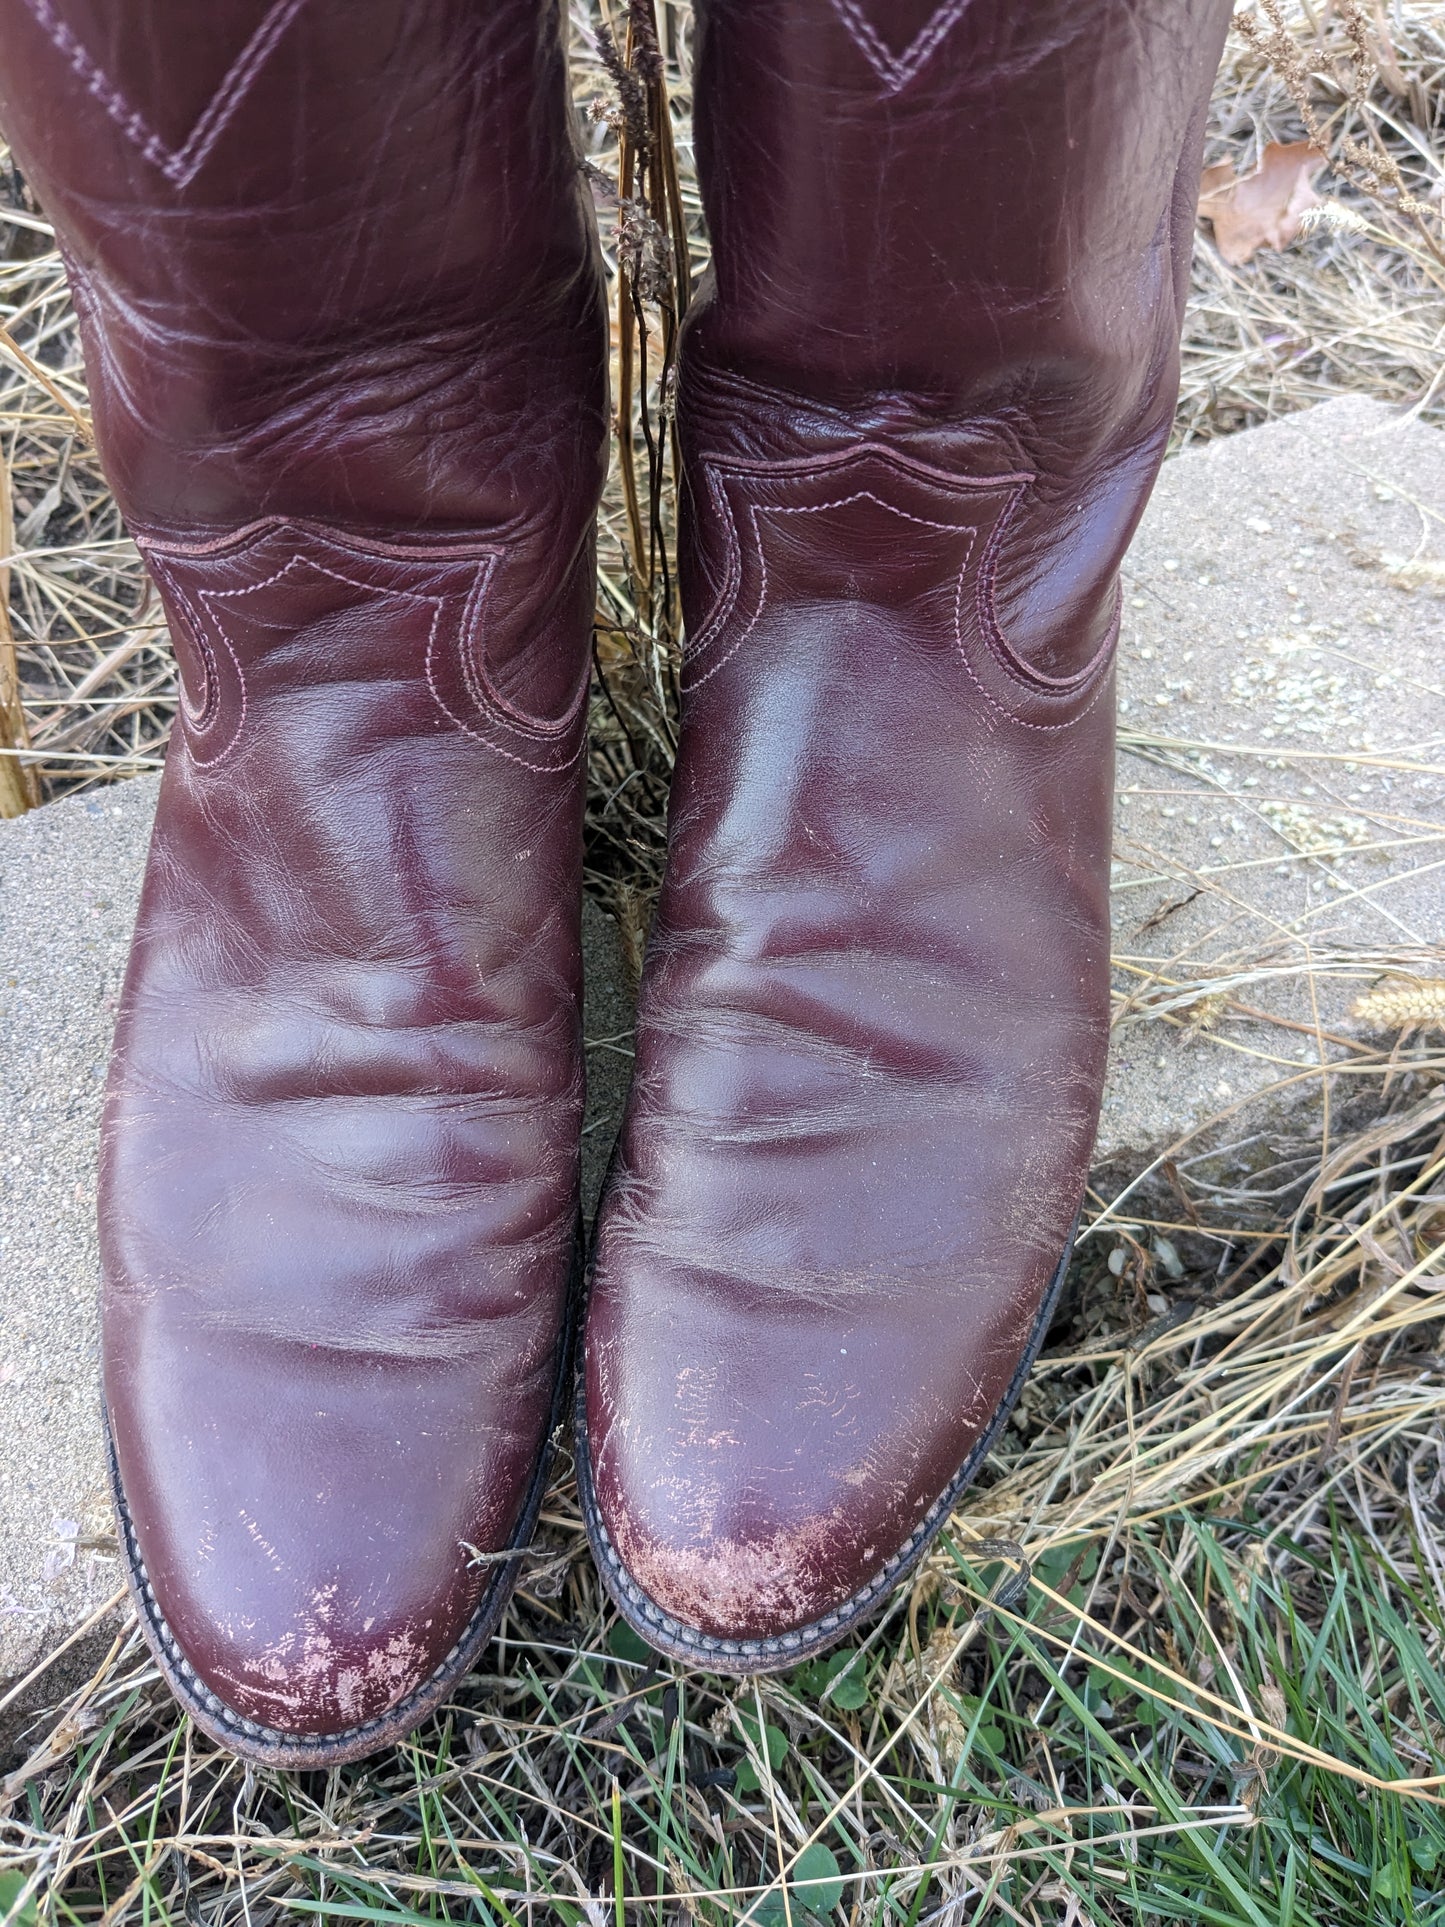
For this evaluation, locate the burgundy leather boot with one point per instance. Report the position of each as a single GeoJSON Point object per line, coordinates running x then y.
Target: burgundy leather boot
{"type": "Point", "coordinates": [923, 401]}
{"type": "Point", "coordinates": [346, 343]}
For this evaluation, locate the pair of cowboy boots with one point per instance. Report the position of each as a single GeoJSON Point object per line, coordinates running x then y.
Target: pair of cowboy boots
{"type": "Point", "coordinates": [343, 315]}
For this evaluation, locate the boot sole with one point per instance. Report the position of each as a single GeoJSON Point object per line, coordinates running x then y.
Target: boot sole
{"type": "Point", "coordinates": [272, 1746]}
{"type": "Point", "coordinates": [779, 1652]}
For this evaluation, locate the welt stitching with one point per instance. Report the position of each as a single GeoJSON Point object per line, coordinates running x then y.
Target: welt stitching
{"type": "Point", "coordinates": [179, 165]}
{"type": "Point", "coordinates": [491, 1600]}
{"type": "Point", "coordinates": [490, 1603]}
{"type": "Point", "coordinates": [845, 1615]}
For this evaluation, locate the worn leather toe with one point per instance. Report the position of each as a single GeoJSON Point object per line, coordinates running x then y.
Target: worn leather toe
{"type": "Point", "coordinates": [766, 1453]}
{"type": "Point", "coordinates": [289, 1594]}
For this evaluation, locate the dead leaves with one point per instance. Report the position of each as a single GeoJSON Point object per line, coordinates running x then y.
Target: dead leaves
{"type": "Point", "coordinates": [1264, 209]}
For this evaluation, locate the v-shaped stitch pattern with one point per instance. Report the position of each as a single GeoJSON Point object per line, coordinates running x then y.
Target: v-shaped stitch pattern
{"type": "Point", "coordinates": [179, 164]}
{"type": "Point", "coordinates": [893, 67]}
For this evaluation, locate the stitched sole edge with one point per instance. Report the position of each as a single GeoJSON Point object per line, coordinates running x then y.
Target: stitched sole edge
{"type": "Point", "coordinates": [782, 1651]}
{"type": "Point", "coordinates": [273, 1746]}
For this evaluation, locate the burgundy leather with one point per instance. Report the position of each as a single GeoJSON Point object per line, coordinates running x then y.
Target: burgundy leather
{"type": "Point", "coordinates": [344, 328]}
{"type": "Point", "coordinates": [923, 401]}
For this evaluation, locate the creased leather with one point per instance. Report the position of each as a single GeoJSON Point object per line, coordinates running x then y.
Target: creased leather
{"type": "Point", "coordinates": [344, 330]}
{"type": "Point", "coordinates": [922, 401]}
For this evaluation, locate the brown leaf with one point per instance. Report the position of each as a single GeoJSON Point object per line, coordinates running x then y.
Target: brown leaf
{"type": "Point", "coordinates": [1263, 209]}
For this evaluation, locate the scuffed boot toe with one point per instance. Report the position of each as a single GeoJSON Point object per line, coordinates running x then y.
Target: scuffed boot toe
{"type": "Point", "coordinates": [309, 1584]}
{"type": "Point", "coordinates": [748, 1506]}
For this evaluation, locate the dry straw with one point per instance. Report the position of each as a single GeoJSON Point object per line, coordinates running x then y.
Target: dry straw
{"type": "Point", "coordinates": [1182, 1652]}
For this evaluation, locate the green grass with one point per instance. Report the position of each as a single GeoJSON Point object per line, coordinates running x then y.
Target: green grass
{"type": "Point", "coordinates": [1220, 1695]}
{"type": "Point", "coordinates": [985, 1764]}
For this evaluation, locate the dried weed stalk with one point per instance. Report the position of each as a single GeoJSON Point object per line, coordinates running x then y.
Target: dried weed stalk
{"type": "Point", "coordinates": [1222, 1664]}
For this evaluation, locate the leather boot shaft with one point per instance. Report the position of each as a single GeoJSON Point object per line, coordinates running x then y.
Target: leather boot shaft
{"type": "Point", "coordinates": [332, 261]}
{"type": "Point", "coordinates": [922, 401]}
{"type": "Point", "coordinates": [964, 228]}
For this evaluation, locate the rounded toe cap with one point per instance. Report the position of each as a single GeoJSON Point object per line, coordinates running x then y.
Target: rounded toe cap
{"type": "Point", "coordinates": [723, 1551]}
{"type": "Point", "coordinates": [315, 1661]}
{"type": "Point", "coordinates": [783, 1590]}
{"type": "Point", "coordinates": [310, 1588]}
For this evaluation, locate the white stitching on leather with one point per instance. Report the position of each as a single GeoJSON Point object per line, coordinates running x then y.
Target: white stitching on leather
{"type": "Point", "coordinates": [480, 688]}
{"type": "Point", "coordinates": [500, 714]}
{"type": "Point", "coordinates": [181, 164]}
{"type": "Point", "coordinates": [896, 70]}
{"type": "Point", "coordinates": [1095, 669]}
{"type": "Point", "coordinates": [1056, 690]}
{"type": "Point", "coordinates": [755, 509]}
{"type": "Point", "coordinates": [715, 467]}
{"type": "Point", "coordinates": [200, 724]}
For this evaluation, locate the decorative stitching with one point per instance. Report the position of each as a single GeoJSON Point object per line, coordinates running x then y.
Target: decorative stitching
{"type": "Point", "coordinates": [756, 509]}
{"type": "Point", "coordinates": [893, 69]}
{"type": "Point", "coordinates": [181, 164]}
{"type": "Point", "coordinates": [526, 762]}
{"type": "Point", "coordinates": [1009, 658]}
{"type": "Point", "coordinates": [212, 705]}
{"type": "Point", "coordinates": [250, 535]}
{"type": "Point", "coordinates": [725, 602]}
{"type": "Point", "coordinates": [757, 1655]}
{"type": "Point", "coordinates": [1014, 666]}
{"type": "Point", "coordinates": [732, 571]}
{"type": "Point", "coordinates": [488, 697]}
{"type": "Point", "coordinates": [502, 714]}
{"type": "Point", "coordinates": [714, 467]}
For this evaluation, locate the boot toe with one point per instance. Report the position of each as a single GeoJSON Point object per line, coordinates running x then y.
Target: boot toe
{"type": "Point", "coordinates": [306, 1637]}
{"type": "Point", "coordinates": [750, 1578]}
{"type": "Point", "coordinates": [741, 1505]}
{"type": "Point", "coordinates": [303, 1556]}
{"type": "Point", "coordinates": [312, 1669]}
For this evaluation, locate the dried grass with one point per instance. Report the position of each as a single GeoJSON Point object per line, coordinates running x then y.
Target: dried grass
{"type": "Point", "coordinates": [1182, 1651]}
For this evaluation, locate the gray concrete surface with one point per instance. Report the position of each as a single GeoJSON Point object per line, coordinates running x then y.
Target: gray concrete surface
{"type": "Point", "coordinates": [1280, 828]}
{"type": "Point", "coordinates": [1280, 811]}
